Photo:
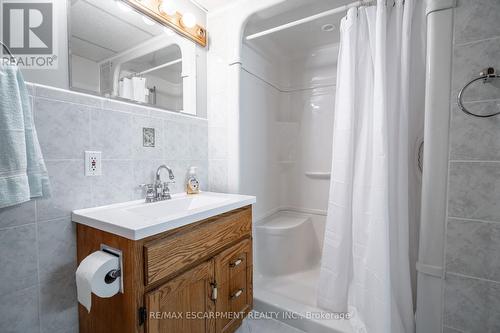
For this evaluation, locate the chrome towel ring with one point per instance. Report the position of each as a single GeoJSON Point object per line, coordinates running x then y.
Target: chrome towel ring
{"type": "Point", "coordinates": [6, 49]}
{"type": "Point", "coordinates": [486, 75]}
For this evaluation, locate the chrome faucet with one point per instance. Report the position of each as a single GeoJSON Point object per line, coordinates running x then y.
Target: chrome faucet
{"type": "Point", "coordinates": [162, 190]}
{"type": "Point", "coordinates": [159, 191]}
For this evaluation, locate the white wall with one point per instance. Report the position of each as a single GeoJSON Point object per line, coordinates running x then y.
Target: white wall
{"type": "Point", "coordinates": [55, 77]}
{"type": "Point", "coordinates": [168, 93]}
{"type": "Point", "coordinates": [311, 133]}
{"type": "Point", "coordinates": [260, 175]}
{"type": "Point", "coordinates": [223, 75]}
{"type": "Point", "coordinates": [237, 152]}
{"type": "Point", "coordinates": [85, 74]}
{"type": "Point", "coordinates": [286, 123]}
{"type": "Point", "coordinates": [307, 111]}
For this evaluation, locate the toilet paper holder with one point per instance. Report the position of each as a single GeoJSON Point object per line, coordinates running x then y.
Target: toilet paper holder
{"type": "Point", "coordinates": [114, 273]}
{"type": "Point", "coordinates": [112, 276]}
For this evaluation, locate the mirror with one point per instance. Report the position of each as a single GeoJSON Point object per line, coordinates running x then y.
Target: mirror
{"type": "Point", "coordinates": [160, 72]}
{"type": "Point", "coordinates": [118, 53]}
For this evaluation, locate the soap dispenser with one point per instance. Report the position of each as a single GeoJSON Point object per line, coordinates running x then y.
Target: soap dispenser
{"type": "Point", "coordinates": [192, 182]}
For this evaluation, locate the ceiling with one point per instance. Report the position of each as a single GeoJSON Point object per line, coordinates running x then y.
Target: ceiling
{"type": "Point", "coordinates": [300, 39]}
{"type": "Point", "coordinates": [100, 29]}
{"type": "Point", "coordinates": [211, 5]}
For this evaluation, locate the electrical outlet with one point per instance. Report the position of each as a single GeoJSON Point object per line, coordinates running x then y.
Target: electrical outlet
{"type": "Point", "coordinates": [93, 163]}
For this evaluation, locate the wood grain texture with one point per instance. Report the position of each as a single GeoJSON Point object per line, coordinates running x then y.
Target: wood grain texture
{"type": "Point", "coordinates": [120, 312]}
{"type": "Point", "coordinates": [192, 246]}
{"type": "Point", "coordinates": [231, 278]}
{"type": "Point", "coordinates": [166, 256]}
{"type": "Point", "coordinates": [171, 307]}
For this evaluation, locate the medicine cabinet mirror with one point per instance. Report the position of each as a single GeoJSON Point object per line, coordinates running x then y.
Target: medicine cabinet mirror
{"type": "Point", "coordinates": [118, 53]}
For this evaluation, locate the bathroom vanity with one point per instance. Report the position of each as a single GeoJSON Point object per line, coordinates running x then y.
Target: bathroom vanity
{"type": "Point", "coordinates": [186, 264]}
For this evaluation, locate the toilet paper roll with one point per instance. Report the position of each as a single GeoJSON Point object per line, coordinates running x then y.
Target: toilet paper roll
{"type": "Point", "coordinates": [126, 88]}
{"type": "Point", "coordinates": [90, 276]}
{"type": "Point", "coordinates": [138, 88]}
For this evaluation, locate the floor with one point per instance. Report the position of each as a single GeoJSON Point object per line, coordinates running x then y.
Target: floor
{"type": "Point", "coordinates": [292, 293]}
{"type": "Point", "coordinates": [259, 325]}
{"type": "Point", "coordinates": [300, 287]}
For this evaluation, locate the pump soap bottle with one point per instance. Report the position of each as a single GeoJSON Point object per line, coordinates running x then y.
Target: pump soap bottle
{"type": "Point", "coordinates": [192, 182]}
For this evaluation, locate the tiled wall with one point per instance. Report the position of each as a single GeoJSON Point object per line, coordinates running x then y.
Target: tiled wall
{"type": "Point", "coordinates": [37, 239]}
{"type": "Point", "coordinates": [217, 103]}
{"type": "Point", "coordinates": [472, 292]}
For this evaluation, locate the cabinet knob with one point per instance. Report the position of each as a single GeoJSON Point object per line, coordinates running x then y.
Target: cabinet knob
{"type": "Point", "coordinates": [237, 293]}
{"type": "Point", "coordinates": [236, 263]}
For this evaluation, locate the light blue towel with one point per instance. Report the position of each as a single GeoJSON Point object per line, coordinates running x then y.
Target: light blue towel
{"type": "Point", "coordinates": [23, 174]}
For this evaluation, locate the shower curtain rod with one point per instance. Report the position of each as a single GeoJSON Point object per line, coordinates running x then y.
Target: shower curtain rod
{"type": "Point", "coordinates": [152, 69]}
{"type": "Point", "coordinates": [312, 18]}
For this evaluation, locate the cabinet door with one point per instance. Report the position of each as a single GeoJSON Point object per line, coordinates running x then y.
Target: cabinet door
{"type": "Point", "coordinates": [183, 304]}
{"type": "Point", "coordinates": [233, 273]}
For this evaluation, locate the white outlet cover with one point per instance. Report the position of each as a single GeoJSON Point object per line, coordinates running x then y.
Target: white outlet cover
{"type": "Point", "coordinates": [93, 163]}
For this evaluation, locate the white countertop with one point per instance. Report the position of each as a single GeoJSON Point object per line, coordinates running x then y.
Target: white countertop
{"type": "Point", "coordinates": [137, 219]}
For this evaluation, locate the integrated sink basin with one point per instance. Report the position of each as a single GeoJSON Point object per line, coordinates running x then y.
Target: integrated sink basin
{"type": "Point", "coordinates": [137, 219]}
{"type": "Point", "coordinates": [177, 205]}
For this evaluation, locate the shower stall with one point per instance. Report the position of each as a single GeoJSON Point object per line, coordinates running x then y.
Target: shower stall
{"type": "Point", "coordinates": [287, 96]}
{"type": "Point", "coordinates": [281, 81]}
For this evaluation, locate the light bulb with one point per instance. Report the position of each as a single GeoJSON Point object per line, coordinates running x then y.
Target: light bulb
{"type": "Point", "coordinates": [167, 7]}
{"type": "Point", "coordinates": [188, 20]}
{"type": "Point", "coordinates": [147, 20]}
{"type": "Point", "coordinates": [123, 6]}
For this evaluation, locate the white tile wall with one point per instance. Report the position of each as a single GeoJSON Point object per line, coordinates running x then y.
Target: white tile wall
{"type": "Point", "coordinates": [37, 238]}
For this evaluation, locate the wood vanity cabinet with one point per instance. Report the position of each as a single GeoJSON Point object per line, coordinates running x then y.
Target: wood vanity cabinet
{"type": "Point", "coordinates": [196, 278]}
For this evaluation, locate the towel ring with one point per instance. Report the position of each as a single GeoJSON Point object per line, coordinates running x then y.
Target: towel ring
{"type": "Point", "coordinates": [7, 49]}
{"type": "Point", "coordinates": [487, 75]}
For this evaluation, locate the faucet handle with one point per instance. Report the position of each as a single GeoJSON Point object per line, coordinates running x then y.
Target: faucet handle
{"type": "Point", "coordinates": [150, 192]}
{"type": "Point", "coordinates": [166, 191]}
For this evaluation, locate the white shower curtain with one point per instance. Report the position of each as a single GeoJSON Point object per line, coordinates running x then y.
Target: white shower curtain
{"type": "Point", "coordinates": [365, 265]}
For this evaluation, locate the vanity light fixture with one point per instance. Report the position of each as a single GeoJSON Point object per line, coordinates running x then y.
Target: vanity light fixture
{"type": "Point", "coordinates": [188, 20]}
{"type": "Point", "coordinates": [167, 7]}
{"type": "Point", "coordinates": [165, 13]}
